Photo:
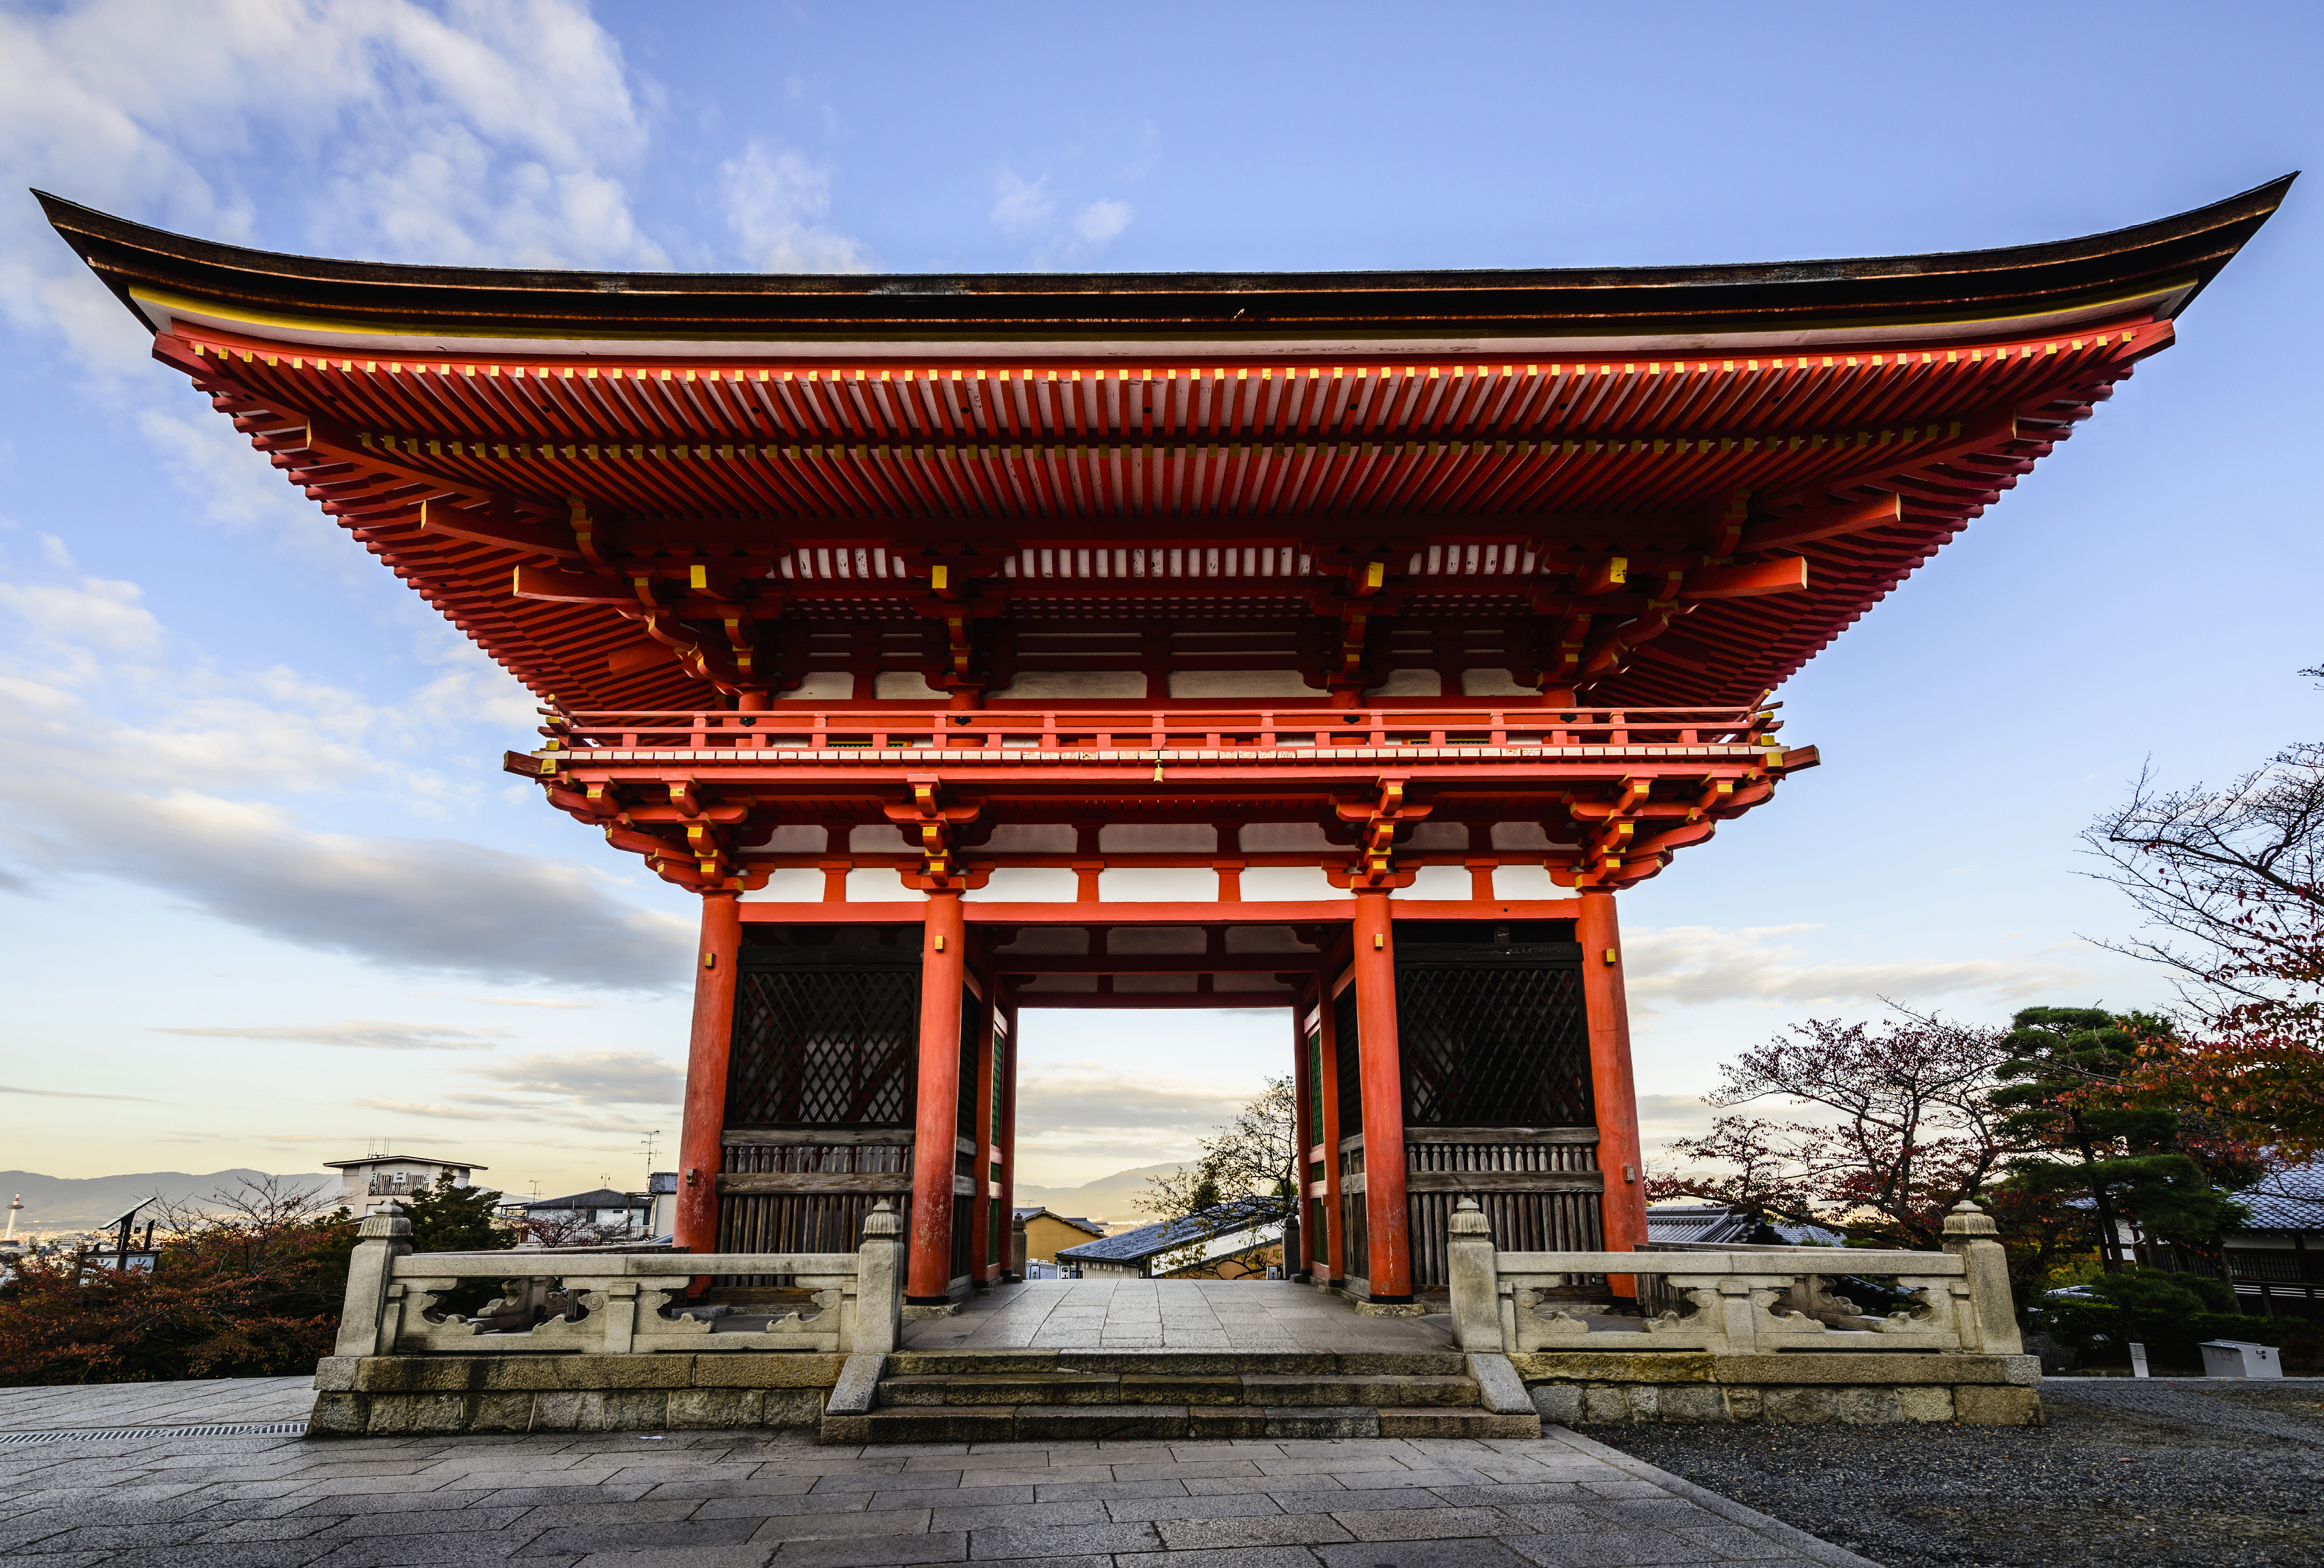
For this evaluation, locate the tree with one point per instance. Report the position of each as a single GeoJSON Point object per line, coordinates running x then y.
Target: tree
{"type": "Point", "coordinates": [445, 1218]}
{"type": "Point", "coordinates": [249, 1284]}
{"type": "Point", "coordinates": [2233, 881]}
{"type": "Point", "coordinates": [2127, 1161]}
{"type": "Point", "coordinates": [1257, 1153]}
{"type": "Point", "coordinates": [1908, 1129]}
{"type": "Point", "coordinates": [2263, 1090]}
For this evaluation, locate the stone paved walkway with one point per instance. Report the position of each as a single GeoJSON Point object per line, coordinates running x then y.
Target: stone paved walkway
{"type": "Point", "coordinates": [1253, 1314]}
{"type": "Point", "coordinates": [202, 1402]}
{"type": "Point", "coordinates": [777, 1500]}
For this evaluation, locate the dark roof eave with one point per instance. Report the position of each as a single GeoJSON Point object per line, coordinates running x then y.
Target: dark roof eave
{"type": "Point", "coordinates": [2181, 252]}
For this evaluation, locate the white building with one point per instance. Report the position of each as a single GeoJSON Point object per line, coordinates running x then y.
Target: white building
{"type": "Point", "coordinates": [376, 1180]}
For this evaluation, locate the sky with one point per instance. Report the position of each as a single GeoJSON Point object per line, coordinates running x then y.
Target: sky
{"type": "Point", "coordinates": [266, 899]}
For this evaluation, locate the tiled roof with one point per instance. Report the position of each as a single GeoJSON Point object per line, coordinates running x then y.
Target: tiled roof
{"type": "Point", "coordinates": [1073, 1220]}
{"type": "Point", "coordinates": [602, 1197]}
{"type": "Point", "coordinates": [2290, 1200]}
{"type": "Point", "coordinates": [1676, 1222]}
{"type": "Point", "coordinates": [1136, 1245]}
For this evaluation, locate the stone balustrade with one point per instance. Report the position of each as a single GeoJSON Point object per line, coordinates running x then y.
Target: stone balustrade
{"type": "Point", "coordinates": [1742, 1301]}
{"type": "Point", "coordinates": [616, 1303]}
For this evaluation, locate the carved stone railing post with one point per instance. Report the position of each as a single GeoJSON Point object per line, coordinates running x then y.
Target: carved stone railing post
{"type": "Point", "coordinates": [1971, 1236]}
{"type": "Point", "coordinates": [1475, 1278]}
{"type": "Point", "coordinates": [380, 1240]}
{"type": "Point", "coordinates": [880, 1282]}
{"type": "Point", "coordinates": [1017, 1248]}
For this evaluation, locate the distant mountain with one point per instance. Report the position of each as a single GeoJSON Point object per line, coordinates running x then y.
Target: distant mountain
{"type": "Point", "coordinates": [1109, 1197]}
{"type": "Point", "coordinates": [60, 1203]}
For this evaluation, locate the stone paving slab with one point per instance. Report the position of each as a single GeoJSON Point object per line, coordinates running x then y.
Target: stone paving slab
{"type": "Point", "coordinates": [1215, 1314]}
{"type": "Point", "coordinates": [773, 1500]}
{"type": "Point", "coordinates": [200, 1402]}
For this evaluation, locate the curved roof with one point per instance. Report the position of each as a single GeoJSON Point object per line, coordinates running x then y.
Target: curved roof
{"type": "Point", "coordinates": [2163, 264]}
{"type": "Point", "coordinates": [652, 491]}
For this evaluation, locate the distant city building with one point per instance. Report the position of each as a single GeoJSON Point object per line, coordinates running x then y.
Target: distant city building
{"type": "Point", "coordinates": [1716, 1222]}
{"type": "Point", "coordinates": [1232, 1240]}
{"type": "Point", "coordinates": [621, 1214]}
{"type": "Point", "coordinates": [1044, 1233]}
{"type": "Point", "coordinates": [376, 1180]}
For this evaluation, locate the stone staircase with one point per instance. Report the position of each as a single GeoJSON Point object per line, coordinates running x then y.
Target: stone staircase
{"type": "Point", "coordinates": [1005, 1396]}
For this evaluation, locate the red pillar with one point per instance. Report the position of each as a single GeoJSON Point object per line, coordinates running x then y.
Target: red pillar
{"type": "Point", "coordinates": [1304, 1134]}
{"type": "Point", "coordinates": [1331, 1258]}
{"type": "Point", "coordinates": [699, 1158]}
{"type": "Point", "coordinates": [1623, 1208]}
{"type": "Point", "coordinates": [943, 954]}
{"type": "Point", "coordinates": [1389, 1267]}
{"type": "Point", "coordinates": [979, 1209]}
{"type": "Point", "coordinates": [1008, 1154]}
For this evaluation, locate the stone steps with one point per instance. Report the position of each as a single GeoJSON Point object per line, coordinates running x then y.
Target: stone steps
{"type": "Point", "coordinates": [966, 1396]}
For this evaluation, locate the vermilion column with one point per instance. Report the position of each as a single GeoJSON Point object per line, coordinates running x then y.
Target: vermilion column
{"type": "Point", "coordinates": [1304, 1134]}
{"type": "Point", "coordinates": [1624, 1207]}
{"type": "Point", "coordinates": [1382, 1069]}
{"type": "Point", "coordinates": [700, 1159]}
{"type": "Point", "coordinates": [928, 1281]}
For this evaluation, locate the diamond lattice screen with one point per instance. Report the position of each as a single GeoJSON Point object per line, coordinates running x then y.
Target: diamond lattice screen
{"type": "Point", "coordinates": [823, 1047]}
{"type": "Point", "coordinates": [1493, 1045]}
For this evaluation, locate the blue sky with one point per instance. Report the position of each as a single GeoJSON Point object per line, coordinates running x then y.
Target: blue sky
{"type": "Point", "coordinates": [265, 895]}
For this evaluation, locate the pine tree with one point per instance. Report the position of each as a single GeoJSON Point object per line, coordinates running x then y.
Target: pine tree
{"type": "Point", "coordinates": [445, 1218]}
{"type": "Point", "coordinates": [2129, 1162]}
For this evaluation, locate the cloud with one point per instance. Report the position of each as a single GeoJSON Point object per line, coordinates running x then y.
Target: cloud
{"type": "Point", "coordinates": [1099, 220]}
{"type": "Point", "coordinates": [361, 1031]}
{"type": "Point", "coordinates": [1028, 209]}
{"type": "Point", "coordinates": [622, 1077]}
{"type": "Point", "coordinates": [1134, 1118]}
{"type": "Point", "coordinates": [72, 1095]}
{"type": "Point", "coordinates": [775, 199]}
{"type": "Point", "coordinates": [1695, 966]}
{"type": "Point", "coordinates": [1020, 206]}
{"type": "Point", "coordinates": [109, 613]}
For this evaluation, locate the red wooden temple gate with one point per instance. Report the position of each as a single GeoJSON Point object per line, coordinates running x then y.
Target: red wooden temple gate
{"type": "Point", "coordinates": [1341, 643]}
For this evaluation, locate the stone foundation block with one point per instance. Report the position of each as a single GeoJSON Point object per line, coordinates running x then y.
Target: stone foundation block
{"type": "Point", "coordinates": [1867, 1406]}
{"type": "Point", "coordinates": [1609, 1367]}
{"type": "Point", "coordinates": [338, 1415]}
{"type": "Point", "coordinates": [1797, 1406]}
{"type": "Point", "coordinates": [1924, 1404]}
{"type": "Point", "coordinates": [501, 1413]}
{"type": "Point", "coordinates": [1989, 1406]}
{"type": "Point", "coordinates": [1688, 1404]}
{"type": "Point", "coordinates": [335, 1375]}
{"type": "Point", "coordinates": [1558, 1402]}
{"type": "Point", "coordinates": [1607, 1405]}
{"type": "Point", "coordinates": [417, 1414]}
{"type": "Point", "coordinates": [766, 1370]}
{"type": "Point", "coordinates": [711, 1409]}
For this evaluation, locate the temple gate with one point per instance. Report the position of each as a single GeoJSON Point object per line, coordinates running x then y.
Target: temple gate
{"type": "Point", "coordinates": [1343, 643]}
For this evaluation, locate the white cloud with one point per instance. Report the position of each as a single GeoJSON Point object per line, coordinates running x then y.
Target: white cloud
{"type": "Point", "coordinates": [1101, 221]}
{"type": "Point", "coordinates": [1020, 206]}
{"type": "Point", "coordinates": [1693, 965]}
{"type": "Point", "coordinates": [775, 201]}
{"type": "Point", "coordinates": [374, 1033]}
{"type": "Point", "coordinates": [108, 613]}
{"type": "Point", "coordinates": [622, 1076]}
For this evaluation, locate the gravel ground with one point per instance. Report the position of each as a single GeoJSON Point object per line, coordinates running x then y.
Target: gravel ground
{"type": "Point", "coordinates": [2139, 1476]}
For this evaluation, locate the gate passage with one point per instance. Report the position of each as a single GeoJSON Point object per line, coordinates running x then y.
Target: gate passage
{"type": "Point", "coordinates": [1343, 644]}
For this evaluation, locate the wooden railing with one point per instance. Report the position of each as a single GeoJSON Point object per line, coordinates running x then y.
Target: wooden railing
{"type": "Point", "coordinates": [1751, 1300]}
{"type": "Point", "coordinates": [614, 1302]}
{"type": "Point", "coordinates": [785, 727]}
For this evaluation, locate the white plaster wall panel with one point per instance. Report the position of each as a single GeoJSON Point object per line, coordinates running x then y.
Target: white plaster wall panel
{"type": "Point", "coordinates": [823, 686]}
{"type": "Point", "coordinates": [792, 885]}
{"type": "Point", "coordinates": [1520, 836]}
{"type": "Point", "coordinates": [905, 686]}
{"type": "Point", "coordinates": [1238, 683]}
{"type": "Point", "coordinates": [1026, 884]}
{"type": "Point", "coordinates": [1264, 938]}
{"type": "Point", "coordinates": [794, 839]}
{"type": "Point", "coordinates": [1438, 836]}
{"type": "Point", "coordinates": [1527, 882]}
{"type": "Point", "coordinates": [1493, 684]}
{"type": "Point", "coordinates": [1041, 984]}
{"type": "Point", "coordinates": [1156, 939]}
{"type": "Point", "coordinates": [1155, 985]}
{"type": "Point", "coordinates": [1288, 884]}
{"type": "Point", "coordinates": [1266, 984]}
{"type": "Point", "coordinates": [1048, 941]}
{"type": "Point", "coordinates": [1287, 838]}
{"type": "Point", "coordinates": [1159, 838]}
{"type": "Point", "coordinates": [1409, 683]}
{"type": "Point", "coordinates": [1040, 685]}
{"type": "Point", "coordinates": [1159, 883]}
{"type": "Point", "coordinates": [879, 839]}
{"type": "Point", "coordinates": [878, 884]}
{"type": "Point", "coordinates": [1438, 882]}
{"type": "Point", "coordinates": [1031, 839]}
